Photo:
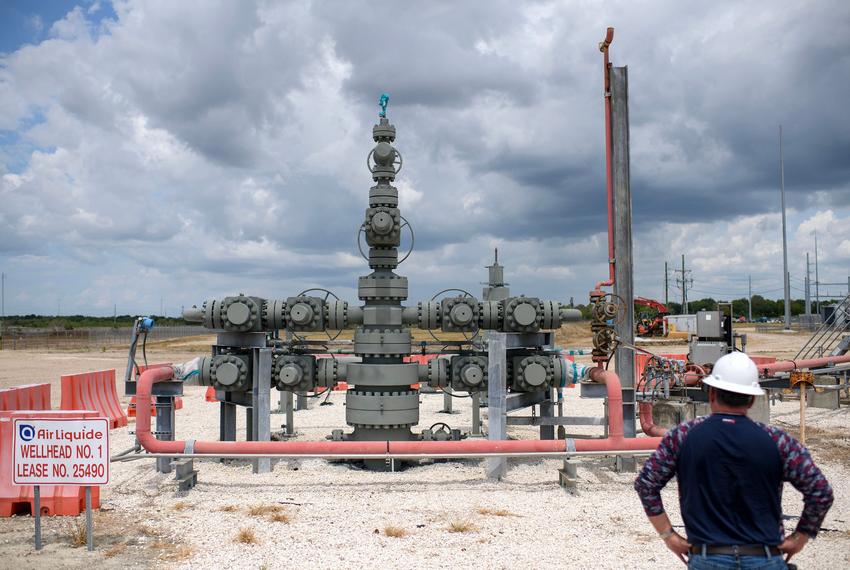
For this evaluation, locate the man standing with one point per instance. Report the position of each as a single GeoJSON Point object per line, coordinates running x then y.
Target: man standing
{"type": "Point", "coordinates": [730, 471]}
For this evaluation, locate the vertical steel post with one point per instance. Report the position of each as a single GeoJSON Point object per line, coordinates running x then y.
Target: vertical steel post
{"type": "Point", "coordinates": [684, 288]}
{"type": "Point", "coordinates": [624, 273]}
{"type": "Point", "coordinates": [261, 403]}
{"type": "Point", "coordinates": [164, 406]}
{"type": "Point", "coordinates": [496, 392]}
{"type": "Point", "coordinates": [89, 525]}
{"type": "Point", "coordinates": [666, 289]}
{"type": "Point", "coordinates": [36, 493]}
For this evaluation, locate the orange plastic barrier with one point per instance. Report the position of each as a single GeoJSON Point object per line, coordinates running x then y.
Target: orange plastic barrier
{"type": "Point", "coordinates": [210, 395]}
{"type": "Point", "coordinates": [27, 397]}
{"type": "Point", "coordinates": [63, 500]}
{"type": "Point", "coordinates": [178, 401]}
{"type": "Point", "coordinates": [93, 391]}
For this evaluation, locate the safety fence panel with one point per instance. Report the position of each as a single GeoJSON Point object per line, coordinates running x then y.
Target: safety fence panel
{"type": "Point", "coordinates": [27, 397]}
{"type": "Point", "coordinates": [93, 391]}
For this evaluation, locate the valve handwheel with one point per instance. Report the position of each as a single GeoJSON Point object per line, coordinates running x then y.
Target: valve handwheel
{"type": "Point", "coordinates": [459, 312]}
{"type": "Point", "coordinates": [328, 294]}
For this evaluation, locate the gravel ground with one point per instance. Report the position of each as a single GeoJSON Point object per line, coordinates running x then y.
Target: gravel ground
{"type": "Point", "coordinates": [336, 515]}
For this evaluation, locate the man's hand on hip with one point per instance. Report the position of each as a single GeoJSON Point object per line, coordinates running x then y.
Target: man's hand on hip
{"type": "Point", "coordinates": [679, 546]}
{"type": "Point", "coordinates": [793, 544]}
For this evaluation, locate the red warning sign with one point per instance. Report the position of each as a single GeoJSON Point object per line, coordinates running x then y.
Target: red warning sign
{"type": "Point", "coordinates": [61, 452]}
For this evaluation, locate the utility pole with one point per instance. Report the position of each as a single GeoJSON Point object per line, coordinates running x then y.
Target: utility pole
{"type": "Point", "coordinates": [817, 279]}
{"type": "Point", "coordinates": [750, 298]}
{"type": "Point", "coordinates": [808, 290]}
{"type": "Point", "coordinates": [785, 279]}
{"type": "Point", "coordinates": [666, 274]}
{"type": "Point", "coordinates": [684, 280]}
{"type": "Point", "coordinates": [2, 305]}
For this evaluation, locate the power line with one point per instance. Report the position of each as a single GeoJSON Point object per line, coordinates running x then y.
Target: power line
{"type": "Point", "coordinates": [684, 281]}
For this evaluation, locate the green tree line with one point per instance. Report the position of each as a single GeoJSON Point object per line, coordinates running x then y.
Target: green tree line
{"type": "Point", "coordinates": [762, 308]}
{"type": "Point", "coordinates": [71, 322]}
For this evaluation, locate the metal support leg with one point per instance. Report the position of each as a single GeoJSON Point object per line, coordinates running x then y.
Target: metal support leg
{"type": "Point", "coordinates": [447, 400]}
{"type": "Point", "coordinates": [476, 413]}
{"type": "Point", "coordinates": [227, 422]}
{"type": "Point", "coordinates": [289, 427]}
{"type": "Point", "coordinates": [164, 428]}
{"type": "Point", "coordinates": [301, 401]}
{"type": "Point", "coordinates": [36, 490]}
{"type": "Point", "coordinates": [546, 409]}
{"type": "Point", "coordinates": [89, 525]}
{"type": "Point", "coordinates": [261, 398]}
{"type": "Point", "coordinates": [249, 424]}
{"type": "Point", "coordinates": [496, 392]}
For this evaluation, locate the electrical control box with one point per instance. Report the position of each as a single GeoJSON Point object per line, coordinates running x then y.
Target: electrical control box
{"type": "Point", "coordinates": [709, 324]}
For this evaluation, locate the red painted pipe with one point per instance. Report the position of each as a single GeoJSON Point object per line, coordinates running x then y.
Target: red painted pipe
{"type": "Point", "coordinates": [647, 424]}
{"type": "Point", "coordinates": [614, 442]}
{"type": "Point", "coordinates": [788, 365]}
{"type": "Point", "coordinates": [609, 176]}
{"type": "Point", "coordinates": [153, 445]}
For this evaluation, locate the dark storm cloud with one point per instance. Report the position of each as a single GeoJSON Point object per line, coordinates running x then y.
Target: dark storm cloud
{"type": "Point", "coordinates": [228, 140]}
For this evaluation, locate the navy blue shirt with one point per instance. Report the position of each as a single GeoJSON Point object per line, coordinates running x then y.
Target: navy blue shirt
{"type": "Point", "coordinates": [731, 471]}
{"type": "Point", "coordinates": [730, 483]}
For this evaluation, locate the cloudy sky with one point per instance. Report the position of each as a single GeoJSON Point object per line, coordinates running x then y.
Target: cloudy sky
{"type": "Point", "coordinates": [162, 150]}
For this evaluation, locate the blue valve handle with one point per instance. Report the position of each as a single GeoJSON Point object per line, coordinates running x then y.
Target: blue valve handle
{"type": "Point", "coordinates": [385, 98]}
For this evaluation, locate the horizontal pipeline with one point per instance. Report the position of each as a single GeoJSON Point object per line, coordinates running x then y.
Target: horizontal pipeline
{"type": "Point", "coordinates": [351, 456]}
{"type": "Point", "coordinates": [614, 442]}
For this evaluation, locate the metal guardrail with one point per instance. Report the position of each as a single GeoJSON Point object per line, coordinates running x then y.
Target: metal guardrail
{"type": "Point", "coordinates": [827, 338]}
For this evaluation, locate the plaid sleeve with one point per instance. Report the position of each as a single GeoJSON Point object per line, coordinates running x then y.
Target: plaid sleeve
{"type": "Point", "coordinates": [800, 470]}
{"type": "Point", "coordinates": [660, 468]}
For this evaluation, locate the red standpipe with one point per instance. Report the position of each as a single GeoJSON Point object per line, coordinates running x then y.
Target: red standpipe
{"type": "Point", "coordinates": [609, 176]}
{"type": "Point", "coordinates": [614, 442]}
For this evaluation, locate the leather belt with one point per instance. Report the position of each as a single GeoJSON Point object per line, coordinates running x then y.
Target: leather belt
{"type": "Point", "coordinates": [737, 550]}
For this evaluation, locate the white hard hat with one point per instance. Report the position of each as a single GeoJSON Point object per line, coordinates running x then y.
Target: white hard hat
{"type": "Point", "coordinates": [735, 372]}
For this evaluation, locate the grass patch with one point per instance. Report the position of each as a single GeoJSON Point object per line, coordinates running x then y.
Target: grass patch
{"type": "Point", "coordinates": [281, 518]}
{"type": "Point", "coordinates": [115, 550]}
{"type": "Point", "coordinates": [246, 536]}
{"type": "Point", "coordinates": [461, 526]}
{"type": "Point", "coordinates": [263, 510]}
{"type": "Point", "coordinates": [395, 531]}
{"type": "Point", "coordinates": [176, 552]}
{"type": "Point", "coordinates": [495, 512]}
{"type": "Point", "coordinates": [76, 530]}
{"type": "Point", "coordinates": [147, 530]}
{"type": "Point", "coordinates": [228, 509]}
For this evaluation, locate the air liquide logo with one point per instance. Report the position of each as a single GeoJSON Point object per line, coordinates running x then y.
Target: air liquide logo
{"type": "Point", "coordinates": [26, 432]}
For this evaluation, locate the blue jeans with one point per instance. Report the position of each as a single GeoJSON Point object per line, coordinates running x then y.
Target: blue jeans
{"type": "Point", "coordinates": [724, 561]}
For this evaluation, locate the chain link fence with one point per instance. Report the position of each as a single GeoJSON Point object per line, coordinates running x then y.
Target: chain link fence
{"type": "Point", "coordinates": [18, 338]}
